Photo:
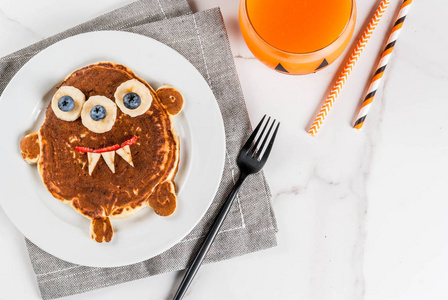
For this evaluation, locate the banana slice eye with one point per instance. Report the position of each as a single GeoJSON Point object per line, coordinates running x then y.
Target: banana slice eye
{"type": "Point", "coordinates": [67, 103]}
{"type": "Point", "coordinates": [99, 114]}
{"type": "Point", "coordinates": [133, 98]}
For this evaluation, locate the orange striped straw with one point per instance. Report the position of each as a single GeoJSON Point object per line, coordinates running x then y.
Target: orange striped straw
{"type": "Point", "coordinates": [348, 68]}
{"type": "Point", "coordinates": [382, 64]}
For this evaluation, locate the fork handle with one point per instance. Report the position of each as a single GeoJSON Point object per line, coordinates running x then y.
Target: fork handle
{"type": "Point", "coordinates": [196, 264]}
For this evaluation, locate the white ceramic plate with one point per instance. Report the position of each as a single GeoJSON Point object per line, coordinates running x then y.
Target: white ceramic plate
{"type": "Point", "coordinates": [57, 228]}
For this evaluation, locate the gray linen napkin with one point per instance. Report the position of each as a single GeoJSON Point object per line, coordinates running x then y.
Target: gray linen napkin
{"type": "Point", "coordinates": [250, 226]}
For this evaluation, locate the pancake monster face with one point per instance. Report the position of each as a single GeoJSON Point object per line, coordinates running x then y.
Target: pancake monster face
{"type": "Point", "coordinates": [107, 146]}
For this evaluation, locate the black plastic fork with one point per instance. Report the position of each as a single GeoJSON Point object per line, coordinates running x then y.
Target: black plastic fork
{"type": "Point", "coordinates": [250, 160]}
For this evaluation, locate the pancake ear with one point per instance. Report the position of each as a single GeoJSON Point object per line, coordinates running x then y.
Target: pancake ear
{"type": "Point", "coordinates": [171, 99]}
{"type": "Point", "coordinates": [30, 148]}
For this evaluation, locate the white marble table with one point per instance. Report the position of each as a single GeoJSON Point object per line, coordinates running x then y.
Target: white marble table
{"type": "Point", "coordinates": [362, 215]}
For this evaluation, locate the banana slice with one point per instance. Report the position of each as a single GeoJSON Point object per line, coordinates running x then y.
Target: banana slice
{"type": "Point", "coordinates": [99, 114]}
{"type": "Point", "coordinates": [93, 159]}
{"type": "Point", "coordinates": [125, 153]}
{"type": "Point", "coordinates": [67, 103]}
{"type": "Point", "coordinates": [109, 158]}
{"type": "Point", "coordinates": [133, 98]}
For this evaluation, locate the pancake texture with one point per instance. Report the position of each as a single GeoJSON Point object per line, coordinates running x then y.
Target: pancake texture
{"type": "Point", "coordinates": [109, 171]}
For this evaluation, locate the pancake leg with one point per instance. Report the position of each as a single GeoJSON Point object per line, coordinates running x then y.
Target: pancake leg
{"type": "Point", "coordinates": [30, 148]}
{"type": "Point", "coordinates": [163, 199]}
{"type": "Point", "coordinates": [101, 230]}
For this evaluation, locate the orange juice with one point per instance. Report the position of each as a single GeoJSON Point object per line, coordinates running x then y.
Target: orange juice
{"type": "Point", "coordinates": [297, 36]}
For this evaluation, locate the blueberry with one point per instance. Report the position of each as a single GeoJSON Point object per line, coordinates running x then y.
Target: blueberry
{"type": "Point", "coordinates": [98, 112]}
{"type": "Point", "coordinates": [132, 100]}
{"type": "Point", "coordinates": [66, 103]}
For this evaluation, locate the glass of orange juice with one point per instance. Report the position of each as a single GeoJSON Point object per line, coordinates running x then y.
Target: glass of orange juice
{"type": "Point", "coordinates": [297, 36]}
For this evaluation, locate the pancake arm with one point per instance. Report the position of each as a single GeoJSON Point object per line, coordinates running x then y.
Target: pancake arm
{"type": "Point", "coordinates": [163, 200]}
{"type": "Point", "coordinates": [30, 148]}
{"type": "Point", "coordinates": [171, 99]}
{"type": "Point", "coordinates": [101, 230]}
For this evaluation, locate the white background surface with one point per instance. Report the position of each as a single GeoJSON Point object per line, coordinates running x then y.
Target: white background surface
{"type": "Point", "coordinates": [362, 215]}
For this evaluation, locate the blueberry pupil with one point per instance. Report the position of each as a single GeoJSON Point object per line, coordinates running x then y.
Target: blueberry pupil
{"type": "Point", "coordinates": [98, 112]}
{"type": "Point", "coordinates": [66, 103]}
{"type": "Point", "coordinates": [132, 100]}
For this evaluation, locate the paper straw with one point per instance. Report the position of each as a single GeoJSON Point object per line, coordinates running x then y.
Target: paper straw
{"type": "Point", "coordinates": [348, 68]}
{"type": "Point", "coordinates": [385, 57]}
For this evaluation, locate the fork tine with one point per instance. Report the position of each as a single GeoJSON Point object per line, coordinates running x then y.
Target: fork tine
{"type": "Point", "coordinates": [247, 145]}
{"type": "Point", "coordinates": [264, 140]}
{"type": "Point", "coordinates": [271, 142]}
{"type": "Point", "coordinates": [254, 148]}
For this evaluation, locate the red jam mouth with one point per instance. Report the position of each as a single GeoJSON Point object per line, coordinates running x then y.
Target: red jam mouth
{"type": "Point", "coordinates": [107, 149]}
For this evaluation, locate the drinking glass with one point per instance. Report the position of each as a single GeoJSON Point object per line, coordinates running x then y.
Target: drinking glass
{"type": "Point", "coordinates": [297, 36]}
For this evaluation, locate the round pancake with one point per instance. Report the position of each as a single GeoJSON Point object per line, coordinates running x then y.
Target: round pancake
{"type": "Point", "coordinates": [155, 155]}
